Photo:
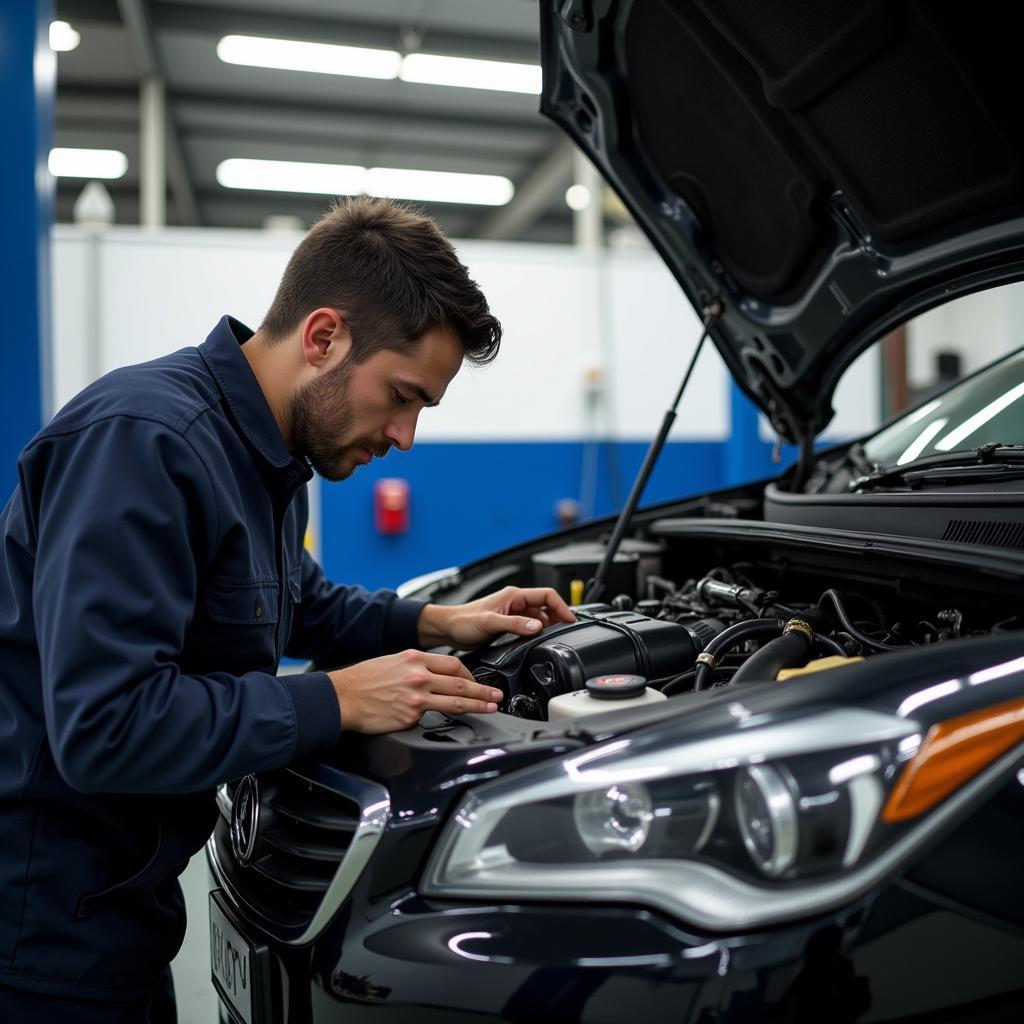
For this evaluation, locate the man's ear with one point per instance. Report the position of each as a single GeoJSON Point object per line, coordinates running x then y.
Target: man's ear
{"type": "Point", "coordinates": [325, 338]}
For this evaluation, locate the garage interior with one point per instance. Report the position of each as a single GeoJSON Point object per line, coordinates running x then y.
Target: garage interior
{"type": "Point", "coordinates": [207, 168]}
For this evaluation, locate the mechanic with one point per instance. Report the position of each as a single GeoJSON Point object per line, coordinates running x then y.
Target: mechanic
{"type": "Point", "coordinates": [153, 574]}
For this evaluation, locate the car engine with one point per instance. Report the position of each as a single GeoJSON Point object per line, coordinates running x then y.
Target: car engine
{"type": "Point", "coordinates": [735, 622]}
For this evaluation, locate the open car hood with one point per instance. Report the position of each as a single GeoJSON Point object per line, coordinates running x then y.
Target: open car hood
{"type": "Point", "coordinates": [821, 171]}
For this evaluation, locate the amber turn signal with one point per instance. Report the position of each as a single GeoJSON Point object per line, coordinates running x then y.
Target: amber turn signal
{"type": "Point", "coordinates": [954, 752]}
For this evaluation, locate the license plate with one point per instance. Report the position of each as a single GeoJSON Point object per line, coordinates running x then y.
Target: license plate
{"type": "Point", "coordinates": [238, 965]}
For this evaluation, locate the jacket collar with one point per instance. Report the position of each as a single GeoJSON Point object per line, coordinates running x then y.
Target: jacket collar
{"type": "Point", "coordinates": [222, 353]}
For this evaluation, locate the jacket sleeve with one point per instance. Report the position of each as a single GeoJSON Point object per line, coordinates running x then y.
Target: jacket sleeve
{"type": "Point", "coordinates": [336, 625]}
{"type": "Point", "coordinates": [125, 514]}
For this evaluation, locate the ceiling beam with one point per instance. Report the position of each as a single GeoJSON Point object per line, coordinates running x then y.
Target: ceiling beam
{"type": "Point", "coordinates": [137, 23]}
{"type": "Point", "coordinates": [87, 10]}
{"type": "Point", "coordinates": [332, 108]}
{"type": "Point", "coordinates": [288, 23]}
{"type": "Point", "coordinates": [535, 194]}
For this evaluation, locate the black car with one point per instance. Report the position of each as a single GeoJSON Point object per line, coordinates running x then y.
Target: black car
{"type": "Point", "coordinates": [772, 771]}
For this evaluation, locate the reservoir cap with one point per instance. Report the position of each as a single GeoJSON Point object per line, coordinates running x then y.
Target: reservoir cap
{"type": "Point", "coordinates": [615, 687]}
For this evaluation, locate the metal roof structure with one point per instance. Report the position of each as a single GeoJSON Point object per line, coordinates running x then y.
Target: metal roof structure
{"type": "Point", "coordinates": [216, 111]}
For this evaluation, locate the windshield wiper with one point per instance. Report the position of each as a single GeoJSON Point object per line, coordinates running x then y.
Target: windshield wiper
{"type": "Point", "coordinates": [990, 461]}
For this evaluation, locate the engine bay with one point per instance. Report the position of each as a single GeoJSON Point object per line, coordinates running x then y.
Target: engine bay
{"type": "Point", "coordinates": [697, 608]}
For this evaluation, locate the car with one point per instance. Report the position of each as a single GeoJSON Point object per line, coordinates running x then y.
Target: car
{"type": "Point", "coordinates": [773, 772]}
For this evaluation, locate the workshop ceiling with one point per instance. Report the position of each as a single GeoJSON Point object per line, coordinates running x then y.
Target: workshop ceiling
{"type": "Point", "coordinates": [217, 111]}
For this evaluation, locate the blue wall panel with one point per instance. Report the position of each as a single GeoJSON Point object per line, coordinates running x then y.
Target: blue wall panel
{"type": "Point", "coordinates": [26, 202]}
{"type": "Point", "coordinates": [468, 499]}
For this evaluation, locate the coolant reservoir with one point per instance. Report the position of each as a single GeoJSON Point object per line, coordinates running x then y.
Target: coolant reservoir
{"type": "Point", "coordinates": [603, 693]}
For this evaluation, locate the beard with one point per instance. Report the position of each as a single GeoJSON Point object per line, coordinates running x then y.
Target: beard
{"type": "Point", "coordinates": [321, 419]}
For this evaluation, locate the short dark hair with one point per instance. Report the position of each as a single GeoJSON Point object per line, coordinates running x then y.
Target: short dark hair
{"type": "Point", "coordinates": [393, 276]}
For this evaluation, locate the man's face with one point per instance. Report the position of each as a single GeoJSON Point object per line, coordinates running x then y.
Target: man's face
{"type": "Point", "coordinates": [357, 410]}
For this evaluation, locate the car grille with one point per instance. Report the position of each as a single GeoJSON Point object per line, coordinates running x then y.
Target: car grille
{"type": "Point", "coordinates": [317, 828]}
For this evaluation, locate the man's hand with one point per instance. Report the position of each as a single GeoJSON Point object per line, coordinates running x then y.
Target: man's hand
{"type": "Point", "coordinates": [391, 693]}
{"type": "Point", "coordinates": [523, 611]}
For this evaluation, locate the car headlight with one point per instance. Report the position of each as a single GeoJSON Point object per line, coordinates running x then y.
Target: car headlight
{"type": "Point", "coordinates": [771, 821]}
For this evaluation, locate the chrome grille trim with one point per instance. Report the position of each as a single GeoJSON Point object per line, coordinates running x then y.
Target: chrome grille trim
{"type": "Point", "coordinates": [374, 803]}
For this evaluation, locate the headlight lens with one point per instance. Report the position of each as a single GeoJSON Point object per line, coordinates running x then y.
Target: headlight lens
{"type": "Point", "coordinates": [774, 820]}
{"type": "Point", "coordinates": [616, 818]}
{"type": "Point", "coordinates": [767, 818]}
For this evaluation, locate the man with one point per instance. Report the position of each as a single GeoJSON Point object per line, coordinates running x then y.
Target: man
{"type": "Point", "coordinates": [153, 575]}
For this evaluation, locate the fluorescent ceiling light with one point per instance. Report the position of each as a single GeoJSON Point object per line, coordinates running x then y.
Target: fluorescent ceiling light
{"type": "Point", "coordinates": [350, 180]}
{"type": "Point", "coordinates": [293, 55]}
{"type": "Point", "coordinates": [63, 37]}
{"type": "Point", "coordinates": [292, 176]}
{"type": "Point", "coordinates": [500, 75]}
{"type": "Point", "coordinates": [440, 186]}
{"type": "Point", "coordinates": [87, 163]}
{"type": "Point", "coordinates": [363, 62]}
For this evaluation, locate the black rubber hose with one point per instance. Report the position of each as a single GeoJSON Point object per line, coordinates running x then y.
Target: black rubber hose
{"type": "Point", "coordinates": [747, 630]}
{"type": "Point", "coordinates": [677, 683]}
{"type": "Point", "coordinates": [784, 651]}
{"type": "Point", "coordinates": [687, 680]}
{"type": "Point", "coordinates": [683, 683]}
{"type": "Point", "coordinates": [832, 596]}
{"type": "Point", "coordinates": [826, 643]}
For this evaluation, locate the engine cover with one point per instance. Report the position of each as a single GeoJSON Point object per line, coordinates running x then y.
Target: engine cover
{"type": "Point", "coordinates": [603, 641]}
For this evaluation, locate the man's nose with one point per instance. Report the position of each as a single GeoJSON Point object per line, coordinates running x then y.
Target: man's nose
{"type": "Point", "coordinates": [401, 433]}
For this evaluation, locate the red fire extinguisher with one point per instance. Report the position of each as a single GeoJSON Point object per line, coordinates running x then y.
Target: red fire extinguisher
{"type": "Point", "coordinates": [391, 505]}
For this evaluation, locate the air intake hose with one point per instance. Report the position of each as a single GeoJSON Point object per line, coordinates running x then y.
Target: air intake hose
{"type": "Point", "coordinates": [786, 651]}
{"type": "Point", "coordinates": [708, 659]}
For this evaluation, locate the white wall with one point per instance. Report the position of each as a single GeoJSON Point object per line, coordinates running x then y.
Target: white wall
{"type": "Point", "coordinates": [980, 327]}
{"type": "Point", "coordinates": [126, 294]}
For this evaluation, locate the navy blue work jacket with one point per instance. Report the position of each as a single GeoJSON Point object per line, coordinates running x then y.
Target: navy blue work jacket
{"type": "Point", "coordinates": [151, 577]}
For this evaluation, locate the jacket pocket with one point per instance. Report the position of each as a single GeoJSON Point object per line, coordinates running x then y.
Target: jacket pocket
{"type": "Point", "coordinates": [84, 906]}
{"type": "Point", "coordinates": [242, 604]}
{"type": "Point", "coordinates": [175, 842]}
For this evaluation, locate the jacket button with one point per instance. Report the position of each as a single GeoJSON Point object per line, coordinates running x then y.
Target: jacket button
{"type": "Point", "coordinates": [259, 611]}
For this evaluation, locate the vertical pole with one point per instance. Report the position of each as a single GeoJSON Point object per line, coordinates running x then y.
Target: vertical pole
{"type": "Point", "coordinates": [153, 153]}
{"type": "Point", "coordinates": [896, 390]}
{"type": "Point", "coordinates": [27, 74]}
{"type": "Point", "coordinates": [586, 222]}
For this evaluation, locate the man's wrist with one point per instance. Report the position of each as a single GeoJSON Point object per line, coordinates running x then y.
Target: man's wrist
{"type": "Point", "coordinates": [432, 626]}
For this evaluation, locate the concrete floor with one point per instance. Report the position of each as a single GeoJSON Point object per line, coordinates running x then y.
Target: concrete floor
{"type": "Point", "coordinates": [197, 1000]}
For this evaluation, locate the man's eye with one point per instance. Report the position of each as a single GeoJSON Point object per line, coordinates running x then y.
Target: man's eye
{"type": "Point", "coordinates": [400, 398]}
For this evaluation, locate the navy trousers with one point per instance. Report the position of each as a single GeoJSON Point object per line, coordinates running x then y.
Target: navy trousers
{"type": "Point", "coordinates": [20, 1006]}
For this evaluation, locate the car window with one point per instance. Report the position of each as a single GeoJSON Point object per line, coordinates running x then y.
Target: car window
{"type": "Point", "coordinates": [987, 407]}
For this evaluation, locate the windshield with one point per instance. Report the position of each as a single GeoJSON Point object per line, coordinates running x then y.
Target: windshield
{"type": "Point", "coordinates": [988, 407]}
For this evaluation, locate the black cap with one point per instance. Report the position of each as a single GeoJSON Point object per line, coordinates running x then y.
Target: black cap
{"type": "Point", "coordinates": [615, 687]}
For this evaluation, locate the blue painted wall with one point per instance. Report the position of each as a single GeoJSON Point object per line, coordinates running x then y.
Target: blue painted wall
{"type": "Point", "coordinates": [26, 205]}
{"type": "Point", "coordinates": [470, 499]}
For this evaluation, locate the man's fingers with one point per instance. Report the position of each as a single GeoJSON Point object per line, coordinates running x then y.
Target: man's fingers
{"type": "Point", "coordinates": [446, 665]}
{"type": "Point", "coordinates": [468, 690]}
{"type": "Point", "coordinates": [539, 613]}
{"type": "Point", "coordinates": [455, 696]}
{"type": "Point", "coordinates": [521, 625]}
{"type": "Point", "coordinates": [458, 705]}
{"type": "Point", "coordinates": [536, 596]}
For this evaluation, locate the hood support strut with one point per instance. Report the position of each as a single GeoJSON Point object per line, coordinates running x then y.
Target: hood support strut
{"type": "Point", "coordinates": [595, 587]}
